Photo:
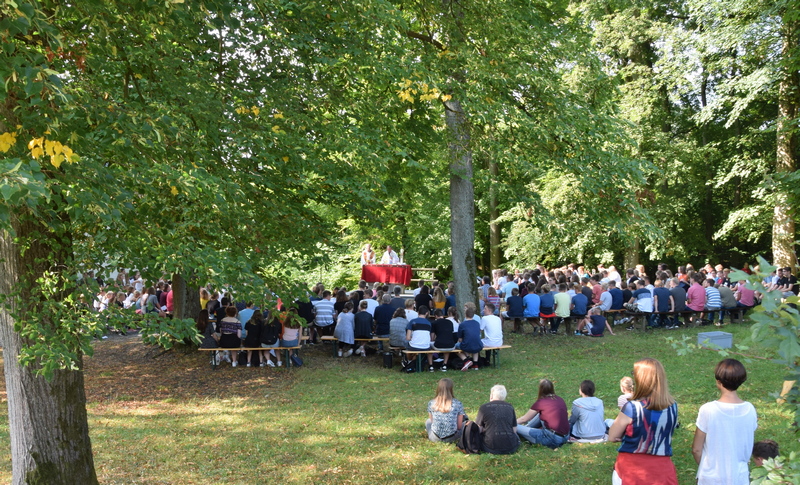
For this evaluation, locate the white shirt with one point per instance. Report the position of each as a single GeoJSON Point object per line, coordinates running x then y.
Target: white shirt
{"type": "Point", "coordinates": [492, 328]}
{"type": "Point", "coordinates": [371, 306]}
{"type": "Point", "coordinates": [729, 430]}
{"type": "Point", "coordinates": [411, 314]}
{"type": "Point", "coordinates": [390, 257]}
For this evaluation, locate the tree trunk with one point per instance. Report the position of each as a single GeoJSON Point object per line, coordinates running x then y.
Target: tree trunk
{"type": "Point", "coordinates": [462, 206]}
{"type": "Point", "coordinates": [49, 431]}
{"type": "Point", "coordinates": [631, 258]}
{"type": "Point", "coordinates": [783, 230]}
{"type": "Point", "coordinates": [494, 214]}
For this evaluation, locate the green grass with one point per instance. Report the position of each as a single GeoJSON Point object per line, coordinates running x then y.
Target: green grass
{"type": "Point", "coordinates": [351, 421]}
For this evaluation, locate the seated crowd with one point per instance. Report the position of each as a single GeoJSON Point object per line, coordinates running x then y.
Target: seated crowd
{"type": "Point", "coordinates": [644, 425]}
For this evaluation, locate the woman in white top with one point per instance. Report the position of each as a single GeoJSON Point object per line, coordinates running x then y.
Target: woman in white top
{"type": "Point", "coordinates": [723, 440]}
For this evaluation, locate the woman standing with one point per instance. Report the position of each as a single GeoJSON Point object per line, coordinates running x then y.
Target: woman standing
{"type": "Point", "coordinates": [723, 440]}
{"type": "Point", "coordinates": [446, 414]}
{"type": "Point", "coordinates": [645, 426]}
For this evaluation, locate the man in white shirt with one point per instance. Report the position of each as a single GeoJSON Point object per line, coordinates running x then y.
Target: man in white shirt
{"type": "Point", "coordinates": [492, 327]}
{"type": "Point", "coordinates": [372, 304]}
{"type": "Point", "coordinates": [390, 257]}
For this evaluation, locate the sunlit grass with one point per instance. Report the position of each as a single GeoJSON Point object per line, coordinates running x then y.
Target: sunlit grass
{"type": "Point", "coordinates": [352, 421]}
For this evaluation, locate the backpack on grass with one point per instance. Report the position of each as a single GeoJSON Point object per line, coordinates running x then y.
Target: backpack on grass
{"type": "Point", "coordinates": [471, 440]}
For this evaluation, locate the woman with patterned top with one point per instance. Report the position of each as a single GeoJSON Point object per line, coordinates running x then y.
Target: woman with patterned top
{"type": "Point", "coordinates": [645, 426]}
{"type": "Point", "coordinates": [230, 334]}
{"type": "Point", "coordinates": [446, 415]}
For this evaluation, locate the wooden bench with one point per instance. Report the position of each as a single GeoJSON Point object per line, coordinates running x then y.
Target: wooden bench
{"type": "Point", "coordinates": [611, 315]}
{"type": "Point", "coordinates": [492, 354]}
{"type": "Point", "coordinates": [333, 340]}
{"type": "Point", "coordinates": [287, 359]}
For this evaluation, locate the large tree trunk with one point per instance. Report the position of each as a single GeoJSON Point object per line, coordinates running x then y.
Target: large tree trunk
{"type": "Point", "coordinates": [494, 214]}
{"type": "Point", "coordinates": [462, 206]}
{"type": "Point", "coordinates": [783, 230]}
{"type": "Point", "coordinates": [47, 418]}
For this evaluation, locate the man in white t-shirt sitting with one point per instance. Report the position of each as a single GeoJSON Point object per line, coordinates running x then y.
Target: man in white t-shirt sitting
{"type": "Point", "coordinates": [492, 327]}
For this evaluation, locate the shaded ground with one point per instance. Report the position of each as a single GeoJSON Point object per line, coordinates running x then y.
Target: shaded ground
{"type": "Point", "coordinates": [123, 369]}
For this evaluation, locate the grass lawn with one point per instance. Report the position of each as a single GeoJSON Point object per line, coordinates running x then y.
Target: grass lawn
{"type": "Point", "coordinates": [164, 419]}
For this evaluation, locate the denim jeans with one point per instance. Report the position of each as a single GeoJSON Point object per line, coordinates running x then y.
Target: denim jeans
{"type": "Point", "coordinates": [539, 435]}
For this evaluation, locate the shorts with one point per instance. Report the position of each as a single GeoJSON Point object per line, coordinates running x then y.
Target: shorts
{"type": "Point", "coordinates": [290, 343]}
{"type": "Point", "coordinates": [271, 346]}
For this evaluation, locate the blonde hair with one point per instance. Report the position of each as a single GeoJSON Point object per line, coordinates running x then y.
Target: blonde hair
{"type": "Point", "coordinates": [651, 384]}
{"type": "Point", "coordinates": [438, 295]}
{"type": "Point", "coordinates": [443, 402]}
{"type": "Point", "coordinates": [626, 384]}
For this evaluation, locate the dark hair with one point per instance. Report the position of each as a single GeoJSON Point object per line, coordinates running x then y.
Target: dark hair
{"type": "Point", "coordinates": [438, 313]}
{"type": "Point", "coordinates": [766, 449]}
{"type": "Point", "coordinates": [225, 301]}
{"type": "Point", "coordinates": [400, 312]}
{"type": "Point", "coordinates": [587, 387]}
{"type": "Point", "coordinates": [202, 321]}
{"type": "Point", "coordinates": [546, 388]}
{"type": "Point", "coordinates": [230, 311]}
{"type": "Point", "coordinates": [423, 310]}
{"type": "Point", "coordinates": [348, 306]}
{"type": "Point", "coordinates": [730, 373]}
{"type": "Point", "coordinates": [341, 296]}
{"type": "Point", "coordinates": [490, 306]}
{"type": "Point", "coordinates": [514, 292]}
{"type": "Point", "coordinates": [326, 293]}
{"type": "Point", "coordinates": [562, 287]}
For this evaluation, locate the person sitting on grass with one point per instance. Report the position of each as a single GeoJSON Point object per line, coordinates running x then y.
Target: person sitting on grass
{"type": "Point", "coordinates": [498, 424]}
{"type": "Point", "coordinates": [546, 422]}
{"type": "Point", "coordinates": [469, 339]}
{"type": "Point", "coordinates": [586, 422]}
{"type": "Point", "coordinates": [446, 414]}
{"type": "Point", "coordinates": [626, 388]}
{"type": "Point", "coordinates": [595, 323]}
{"type": "Point", "coordinates": [418, 334]}
{"type": "Point", "coordinates": [723, 440]}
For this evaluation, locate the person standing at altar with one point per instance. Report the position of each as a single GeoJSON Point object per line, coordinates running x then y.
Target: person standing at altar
{"type": "Point", "coordinates": [367, 255]}
{"type": "Point", "coordinates": [390, 257]}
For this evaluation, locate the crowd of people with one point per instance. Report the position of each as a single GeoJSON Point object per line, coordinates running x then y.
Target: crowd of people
{"type": "Point", "coordinates": [644, 426]}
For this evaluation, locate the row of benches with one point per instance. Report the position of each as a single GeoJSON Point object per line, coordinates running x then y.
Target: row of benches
{"type": "Point", "coordinates": [492, 353]}
{"type": "Point", "coordinates": [215, 356]}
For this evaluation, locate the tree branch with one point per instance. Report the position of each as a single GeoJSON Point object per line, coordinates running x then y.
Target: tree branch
{"type": "Point", "coordinates": [425, 38]}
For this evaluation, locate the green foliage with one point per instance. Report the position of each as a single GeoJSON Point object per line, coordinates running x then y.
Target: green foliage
{"type": "Point", "coordinates": [166, 332]}
{"type": "Point", "coordinates": [780, 470]}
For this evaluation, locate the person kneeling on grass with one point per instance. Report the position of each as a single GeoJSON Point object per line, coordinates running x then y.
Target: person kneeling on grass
{"type": "Point", "coordinates": [418, 334]}
{"type": "Point", "coordinates": [446, 414]}
{"type": "Point", "coordinates": [595, 322]}
{"type": "Point", "coordinates": [498, 423]}
{"type": "Point", "coordinates": [469, 339]}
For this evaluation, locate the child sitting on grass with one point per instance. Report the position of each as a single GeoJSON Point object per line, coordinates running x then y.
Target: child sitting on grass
{"type": "Point", "coordinates": [595, 322]}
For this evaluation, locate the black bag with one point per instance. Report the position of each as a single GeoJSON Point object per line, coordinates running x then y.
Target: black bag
{"type": "Point", "coordinates": [471, 440]}
{"type": "Point", "coordinates": [241, 357]}
{"type": "Point", "coordinates": [296, 360]}
{"type": "Point", "coordinates": [388, 360]}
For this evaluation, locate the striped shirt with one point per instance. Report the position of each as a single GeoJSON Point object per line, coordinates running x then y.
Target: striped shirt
{"type": "Point", "coordinates": [713, 299]}
{"type": "Point", "coordinates": [324, 309]}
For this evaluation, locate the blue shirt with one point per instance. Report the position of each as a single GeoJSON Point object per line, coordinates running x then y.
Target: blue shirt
{"type": "Point", "coordinates": [531, 304]}
{"type": "Point", "coordinates": [515, 308]}
{"type": "Point", "coordinates": [383, 315]}
{"type": "Point", "coordinates": [663, 295]}
{"type": "Point", "coordinates": [617, 301]}
{"type": "Point", "coordinates": [581, 302]}
{"type": "Point", "coordinates": [546, 303]}
{"type": "Point", "coordinates": [644, 300]}
{"type": "Point", "coordinates": [469, 332]}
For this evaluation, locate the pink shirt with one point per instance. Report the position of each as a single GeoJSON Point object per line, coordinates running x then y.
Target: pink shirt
{"type": "Point", "coordinates": [170, 304]}
{"type": "Point", "coordinates": [696, 298]}
{"type": "Point", "coordinates": [597, 290]}
{"type": "Point", "coordinates": [747, 297]}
